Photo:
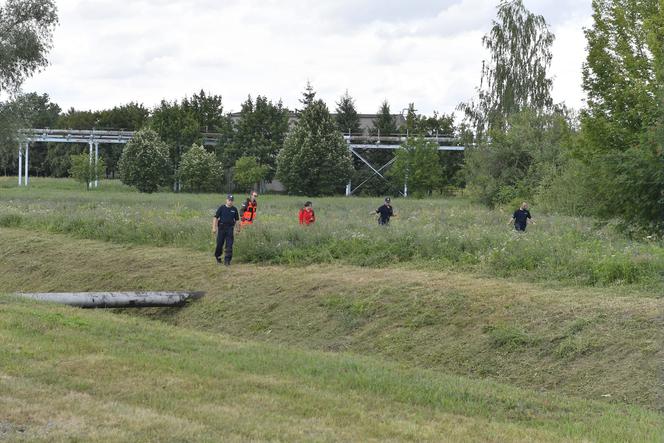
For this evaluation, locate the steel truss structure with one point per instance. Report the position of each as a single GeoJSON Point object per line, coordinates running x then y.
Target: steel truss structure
{"type": "Point", "coordinates": [90, 137]}
{"type": "Point", "coordinates": [358, 143]}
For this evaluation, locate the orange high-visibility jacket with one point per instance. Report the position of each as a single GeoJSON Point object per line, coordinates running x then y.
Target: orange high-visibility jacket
{"type": "Point", "coordinates": [249, 212]}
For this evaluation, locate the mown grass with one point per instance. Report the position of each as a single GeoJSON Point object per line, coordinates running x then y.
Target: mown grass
{"type": "Point", "coordinates": [436, 234]}
{"type": "Point", "coordinates": [601, 344]}
{"type": "Point", "coordinates": [71, 375]}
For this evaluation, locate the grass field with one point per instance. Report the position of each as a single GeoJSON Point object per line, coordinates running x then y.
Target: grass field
{"type": "Point", "coordinates": [426, 330]}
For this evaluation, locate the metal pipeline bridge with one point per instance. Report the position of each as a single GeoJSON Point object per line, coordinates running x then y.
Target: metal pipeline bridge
{"type": "Point", "coordinates": [356, 144]}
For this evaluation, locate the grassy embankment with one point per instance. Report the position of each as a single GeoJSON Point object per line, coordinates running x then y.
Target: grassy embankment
{"type": "Point", "coordinates": [435, 234]}
{"type": "Point", "coordinates": [594, 343]}
{"type": "Point", "coordinates": [68, 374]}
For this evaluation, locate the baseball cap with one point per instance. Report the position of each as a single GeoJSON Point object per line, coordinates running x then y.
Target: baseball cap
{"type": "Point", "coordinates": [387, 199]}
{"type": "Point", "coordinates": [229, 197]}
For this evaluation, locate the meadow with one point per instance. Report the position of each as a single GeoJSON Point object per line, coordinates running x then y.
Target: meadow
{"type": "Point", "coordinates": [446, 325]}
{"type": "Point", "coordinates": [450, 234]}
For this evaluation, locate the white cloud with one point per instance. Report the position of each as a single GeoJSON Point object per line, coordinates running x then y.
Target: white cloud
{"type": "Point", "coordinates": [423, 51]}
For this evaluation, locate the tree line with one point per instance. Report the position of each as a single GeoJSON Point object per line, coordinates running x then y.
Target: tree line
{"type": "Point", "coordinates": [248, 148]}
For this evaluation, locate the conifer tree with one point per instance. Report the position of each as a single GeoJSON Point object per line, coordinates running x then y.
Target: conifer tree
{"type": "Point", "coordinates": [347, 118]}
{"type": "Point", "coordinates": [315, 158]}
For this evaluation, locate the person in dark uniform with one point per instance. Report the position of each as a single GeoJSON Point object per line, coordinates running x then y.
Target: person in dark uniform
{"type": "Point", "coordinates": [223, 225]}
{"type": "Point", "coordinates": [520, 218]}
{"type": "Point", "coordinates": [385, 212]}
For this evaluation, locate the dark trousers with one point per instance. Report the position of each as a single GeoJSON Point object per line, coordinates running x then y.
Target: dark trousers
{"type": "Point", "coordinates": [225, 235]}
{"type": "Point", "coordinates": [520, 227]}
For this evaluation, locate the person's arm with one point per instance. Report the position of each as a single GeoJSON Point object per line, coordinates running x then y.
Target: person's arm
{"type": "Point", "coordinates": [215, 222]}
{"type": "Point", "coordinates": [532, 222]}
{"type": "Point", "coordinates": [301, 216]}
{"type": "Point", "coordinates": [313, 216]}
{"type": "Point", "coordinates": [243, 209]}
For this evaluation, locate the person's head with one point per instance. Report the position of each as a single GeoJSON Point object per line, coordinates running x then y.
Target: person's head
{"type": "Point", "coordinates": [229, 200]}
{"type": "Point", "coordinates": [308, 205]}
{"type": "Point", "coordinates": [524, 205]}
{"type": "Point", "coordinates": [388, 200]}
{"type": "Point", "coordinates": [254, 195]}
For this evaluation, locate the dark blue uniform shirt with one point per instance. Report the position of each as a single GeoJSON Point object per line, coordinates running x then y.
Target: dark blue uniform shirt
{"type": "Point", "coordinates": [227, 216]}
{"type": "Point", "coordinates": [521, 217]}
{"type": "Point", "coordinates": [385, 212]}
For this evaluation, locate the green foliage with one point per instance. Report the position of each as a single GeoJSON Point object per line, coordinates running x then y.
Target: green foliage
{"type": "Point", "coordinates": [622, 130]}
{"type": "Point", "coordinates": [515, 78]}
{"type": "Point", "coordinates": [520, 159]}
{"type": "Point", "coordinates": [385, 123]}
{"type": "Point", "coordinates": [26, 33]}
{"type": "Point", "coordinates": [308, 96]}
{"type": "Point", "coordinates": [260, 133]}
{"type": "Point", "coordinates": [208, 111]}
{"type": "Point", "coordinates": [200, 171]}
{"type": "Point", "coordinates": [144, 163]}
{"type": "Point", "coordinates": [247, 172]}
{"type": "Point", "coordinates": [347, 118]}
{"type": "Point", "coordinates": [418, 164]}
{"type": "Point", "coordinates": [315, 158]}
{"type": "Point", "coordinates": [84, 170]}
{"type": "Point", "coordinates": [177, 126]}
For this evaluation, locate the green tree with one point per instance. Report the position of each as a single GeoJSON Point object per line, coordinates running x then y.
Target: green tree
{"type": "Point", "coordinates": [145, 162]}
{"type": "Point", "coordinates": [308, 96]}
{"type": "Point", "coordinates": [347, 118]}
{"type": "Point", "coordinates": [515, 78]}
{"type": "Point", "coordinates": [200, 171]}
{"type": "Point", "coordinates": [178, 128]}
{"type": "Point", "coordinates": [260, 133]}
{"type": "Point", "coordinates": [417, 165]}
{"type": "Point", "coordinates": [517, 161]}
{"type": "Point", "coordinates": [26, 33]}
{"type": "Point", "coordinates": [208, 110]}
{"type": "Point", "coordinates": [84, 169]}
{"type": "Point", "coordinates": [315, 158]}
{"type": "Point", "coordinates": [385, 123]}
{"type": "Point", "coordinates": [247, 172]}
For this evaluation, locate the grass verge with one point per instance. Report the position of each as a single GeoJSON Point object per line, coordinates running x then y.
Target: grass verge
{"type": "Point", "coordinates": [68, 374]}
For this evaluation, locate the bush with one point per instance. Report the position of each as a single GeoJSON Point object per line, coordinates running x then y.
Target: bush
{"type": "Point", "coordinates": [200, 171]}
{"type": "Point", "coordinates": [247, 172]}
{"type": "Point", "coordinates": [84, 170]}
{"type": "Point", "coordinates": [144, 163]}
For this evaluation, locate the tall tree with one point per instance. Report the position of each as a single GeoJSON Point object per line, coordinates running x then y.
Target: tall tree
{"type": "Point", "coordinates": [208, 110]}
{"type": "Point", "coordinates": [260, 133]}
{"type": "Point", "coordinates": [26, 33]}
{"type": "Point", "coordinates": [347, 118]}
{"type": "Point", "coordinates": [385, 122]}
{"type": "Point", "coordinates": [315, 158]}
{"type": "Point", "coordinates": [622, 126]}
{"type": "Point", "coordinates": [178, 128]}
{"type": "Point", "coordinates": [308, 96]}
{"type": "Point", "coordinates": [515, 77]}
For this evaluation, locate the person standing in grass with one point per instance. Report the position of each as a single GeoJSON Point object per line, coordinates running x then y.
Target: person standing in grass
{"type": "Point", "coordinates": [520, 218]}
{"type": "Point", "coordinates": [307, 215]}
{"type": "Point", "coordinates": [385, 212]}
{"type": "Point", "coordinates": [249, 209]}
{"type": "Point", "coordinates": [223, 225]}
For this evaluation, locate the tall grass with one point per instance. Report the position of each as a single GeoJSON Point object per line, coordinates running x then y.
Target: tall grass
{"type": "Point", "coordinates": [445, 234]}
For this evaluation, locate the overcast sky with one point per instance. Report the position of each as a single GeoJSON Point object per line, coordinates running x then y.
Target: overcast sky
{"type": "Point", "coordinates": [110, 52]}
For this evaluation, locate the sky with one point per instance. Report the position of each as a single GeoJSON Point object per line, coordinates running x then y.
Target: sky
{"type": "Point", "coordinates": [429, 52]}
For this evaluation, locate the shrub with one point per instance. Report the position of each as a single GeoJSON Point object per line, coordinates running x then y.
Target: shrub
{"type": "Point", "coordinates": [200, 171]}
{"type": "Point", "coordinates": [84, 169]}
{"type": "Point", "coordinates": [144, 163]}
{"type": "Point", "coordinates": [247, 172]}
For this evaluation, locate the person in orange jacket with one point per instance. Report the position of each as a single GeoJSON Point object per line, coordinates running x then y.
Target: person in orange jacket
{"type": "Point", "coordinates": [307, 214]}
{"type": "Point", "coordinates": [248, 210]}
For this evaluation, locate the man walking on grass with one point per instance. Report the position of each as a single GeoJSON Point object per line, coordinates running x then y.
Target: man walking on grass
{"type": "Point", "coordinates": [223, 225]}
{"type": "Point", "coordinates": [520, 218]}
{"type": "Point", "coordinates": [385, 212]}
